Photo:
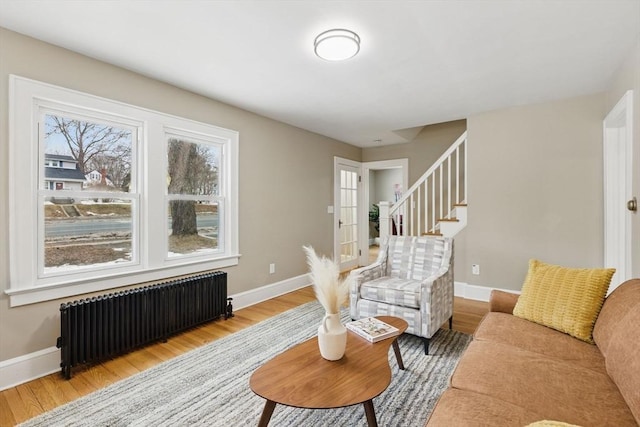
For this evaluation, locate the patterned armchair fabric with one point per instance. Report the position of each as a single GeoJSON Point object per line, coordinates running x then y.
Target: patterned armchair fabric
{"type": "Point", "coordinates": [412, 279]}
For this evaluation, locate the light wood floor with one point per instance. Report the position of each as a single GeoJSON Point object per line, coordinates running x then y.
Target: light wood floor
{"type": "Point", "coordinates": [27, 400]}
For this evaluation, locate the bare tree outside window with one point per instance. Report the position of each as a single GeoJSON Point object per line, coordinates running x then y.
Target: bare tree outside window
{"type": "Point", "coordinates": [82, 230]}
{"type": "Point", "coordinates": [92, 145]}
{"type": "Point", "coordinates": [192, 171]}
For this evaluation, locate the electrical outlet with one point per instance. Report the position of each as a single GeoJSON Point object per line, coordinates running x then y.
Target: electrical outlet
{"type": "Point", "coordinates": [475, 269]}
{"type": "Point", "coordinates": [272, 268]}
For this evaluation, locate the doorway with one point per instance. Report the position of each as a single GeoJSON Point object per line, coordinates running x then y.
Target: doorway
{"type": "Point", "coordinates": [618, 166]}
{"type": "Point", "coordinates": [384, 180]}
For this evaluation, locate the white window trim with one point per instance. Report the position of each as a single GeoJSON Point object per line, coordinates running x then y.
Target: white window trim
{"type": "Point", "coordinates": [25, 287]}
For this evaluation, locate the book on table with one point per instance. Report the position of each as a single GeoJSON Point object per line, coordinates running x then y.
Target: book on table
{"type": "Point", "coordinates": [372, 329]}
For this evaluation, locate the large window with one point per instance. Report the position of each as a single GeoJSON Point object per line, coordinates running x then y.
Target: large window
{"type": "Point", "coordinates": [93, 183]}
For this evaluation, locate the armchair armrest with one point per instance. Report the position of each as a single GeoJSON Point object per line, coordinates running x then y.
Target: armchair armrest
{"type": "Point", "coordinates": [502, 302]}
{"type": "Point", "coordinates": [368, 273]}
{"type": "Point", "coordinates": [359, 276]}
{"type": "Point", "coordinates": [436, 305]}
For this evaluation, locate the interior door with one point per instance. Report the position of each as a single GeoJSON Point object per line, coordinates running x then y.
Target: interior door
{"type": "Point", "coordinates": [617, 151]}
{"type": "Point", "coordinates": [347, 184]}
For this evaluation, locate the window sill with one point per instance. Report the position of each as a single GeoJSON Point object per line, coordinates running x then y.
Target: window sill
{"type": "Point", "coordinates": [25, 296]}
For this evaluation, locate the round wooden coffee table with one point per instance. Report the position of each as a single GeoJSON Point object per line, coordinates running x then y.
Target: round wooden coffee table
{"type": "Point", "coordinates": [300, 377]}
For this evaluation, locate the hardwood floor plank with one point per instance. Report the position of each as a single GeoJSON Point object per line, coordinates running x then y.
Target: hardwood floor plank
{"type": "Point", "coordinates": [6, 415]}
{"type": "Point", "coordinates": [25, 401]}
{"type": "Point", "coordinates": [30, 405]}
{"type": "Point", "coordinates": [44, 398]}
{"type": "Point", "coordinates": [61, 391]}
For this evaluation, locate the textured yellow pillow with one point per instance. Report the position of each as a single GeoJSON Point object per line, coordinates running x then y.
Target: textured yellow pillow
{"type": "Point", "coordinates": [566, 299]}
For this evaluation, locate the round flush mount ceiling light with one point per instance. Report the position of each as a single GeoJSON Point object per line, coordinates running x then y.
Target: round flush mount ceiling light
{"type": "Point", "coordinates": [337, 45]}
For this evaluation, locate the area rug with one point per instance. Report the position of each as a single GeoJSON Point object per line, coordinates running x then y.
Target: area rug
{"type": "Point", "coordinates": [209, 386]}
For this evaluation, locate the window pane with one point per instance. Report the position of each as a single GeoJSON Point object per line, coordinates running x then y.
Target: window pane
{"type": "Point", "coordinates": [80, 154]}
{"type": "Point", "coordinates": [193, 227]}
{"type": "Point", "coordinates": [83, 232]}
{"type": "Point", "coordinates": [192, 167]}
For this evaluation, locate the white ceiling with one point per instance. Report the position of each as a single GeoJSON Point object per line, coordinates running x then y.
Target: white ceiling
{"type": "Point", "coordinates": [421, 62]}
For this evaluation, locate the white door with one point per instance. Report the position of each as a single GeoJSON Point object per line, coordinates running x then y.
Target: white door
{"type": "Point", "coordinates": [347, 184]}
{"type": "Point", "coordinates": [617, 151]}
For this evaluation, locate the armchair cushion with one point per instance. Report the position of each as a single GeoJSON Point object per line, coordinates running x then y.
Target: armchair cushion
{"type": "Point", "coordinates": [393, 290]}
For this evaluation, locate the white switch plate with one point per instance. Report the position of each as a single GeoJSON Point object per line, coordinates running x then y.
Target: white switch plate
{"type": "Point", "coordinates": [329, 209]}
{"type": "Point", "coordinates": [475, 269]}
{"type": "Point", "coordinates": [272, 268]}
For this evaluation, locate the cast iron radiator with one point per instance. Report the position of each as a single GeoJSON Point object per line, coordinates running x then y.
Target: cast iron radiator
{"type": "Point", "coordinates": [97, 328]}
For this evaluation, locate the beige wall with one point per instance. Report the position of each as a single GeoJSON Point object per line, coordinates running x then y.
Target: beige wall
{"type": "Point", "coordinates": [535, 190]}
{"type": "Point", "coordinates": [286, 177]}
{"type": "Point", "coordinates": [628, 77]}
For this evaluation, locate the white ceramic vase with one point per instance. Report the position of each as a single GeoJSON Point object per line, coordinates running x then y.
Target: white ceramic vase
{"type": "Point", "coordinates": [332, 337]}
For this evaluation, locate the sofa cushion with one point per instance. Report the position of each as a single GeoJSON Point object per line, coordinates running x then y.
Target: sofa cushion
{"type": "Point", "coordinates": [566, 299]}
{"type": "Point", "coordinates": [555, 389]}
{"type": "Point", "coordinates": [507, 329]}
{"type": "Point", "coordinates": [392, 290]}
{"type": "Point", "coordinates": [463, 408]}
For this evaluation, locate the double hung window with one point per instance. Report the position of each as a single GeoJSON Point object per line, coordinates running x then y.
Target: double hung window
{"type": "Point", "coordinates": [105, 194]}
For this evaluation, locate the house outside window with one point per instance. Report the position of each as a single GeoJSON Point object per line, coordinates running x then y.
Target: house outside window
{"type": "Point", "coordinates": [63, 172]}
{"type": "Point", "coordinates": [109, 177]}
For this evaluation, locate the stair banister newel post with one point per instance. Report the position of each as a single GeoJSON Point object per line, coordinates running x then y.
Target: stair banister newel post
{"type": "Point", "coordinates": [385, 220]}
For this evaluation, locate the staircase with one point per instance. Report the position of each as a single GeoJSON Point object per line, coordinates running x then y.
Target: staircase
{"type": "Point", "coordinates": [436, 203]}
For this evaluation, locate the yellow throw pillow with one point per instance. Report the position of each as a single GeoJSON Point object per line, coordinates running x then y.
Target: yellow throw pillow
{"type": "Point", "coordinates": [566, 299]}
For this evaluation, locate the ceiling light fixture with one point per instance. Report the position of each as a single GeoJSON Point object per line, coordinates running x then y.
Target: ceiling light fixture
{"type": "Point", "coordinates": [337, 45]}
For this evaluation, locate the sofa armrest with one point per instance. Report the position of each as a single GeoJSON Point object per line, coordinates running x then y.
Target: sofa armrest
{"type": "Point", "coordinates": [502, 302]}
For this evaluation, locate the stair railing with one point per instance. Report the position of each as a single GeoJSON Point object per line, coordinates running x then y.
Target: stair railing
{"type": "Point", "coordinates": [431, 199]}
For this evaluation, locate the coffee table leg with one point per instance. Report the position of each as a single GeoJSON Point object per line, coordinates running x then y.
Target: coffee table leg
{"type": "Point", "coordinates": [371, 413]}
{"type": "Point", "coordinates": [396, 350]}
{"type": "Point", "coordinates": [269, 406]}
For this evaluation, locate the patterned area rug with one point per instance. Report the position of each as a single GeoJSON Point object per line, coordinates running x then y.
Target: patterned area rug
{"type": "Point", "coordinates": [209, 386]}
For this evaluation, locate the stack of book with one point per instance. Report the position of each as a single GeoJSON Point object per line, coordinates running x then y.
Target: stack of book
{"type": "Point", "coordinates": [372, 329]}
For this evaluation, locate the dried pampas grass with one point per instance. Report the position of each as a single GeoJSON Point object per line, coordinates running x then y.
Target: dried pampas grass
{"type": "Point", "coordinates": [331, 291]}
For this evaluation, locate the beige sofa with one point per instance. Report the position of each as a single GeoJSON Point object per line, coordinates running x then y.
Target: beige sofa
{"type": "Point", "coordinates": [516, 372]}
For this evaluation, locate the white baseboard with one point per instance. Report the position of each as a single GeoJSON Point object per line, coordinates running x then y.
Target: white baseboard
{"type": "Point", "coordinates": [263, 293]}
{"type": "Point", "coordinates": [29, 367]}
{"type": "Point", "coordinates": [475, 292]}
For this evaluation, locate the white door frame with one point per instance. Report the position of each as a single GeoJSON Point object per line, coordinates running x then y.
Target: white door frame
{"type": "Point", "coordinates": [618, 167]}
{"type": "Point", "coordinates": [364, 213]}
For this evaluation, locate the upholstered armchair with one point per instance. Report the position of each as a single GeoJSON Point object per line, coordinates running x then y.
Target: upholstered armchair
{"type": "Point", "coordinates": [412, 279]}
